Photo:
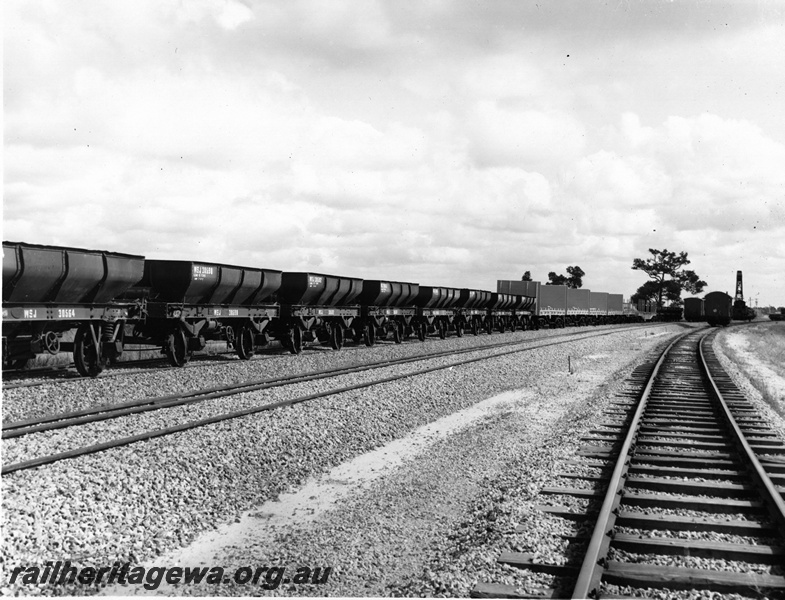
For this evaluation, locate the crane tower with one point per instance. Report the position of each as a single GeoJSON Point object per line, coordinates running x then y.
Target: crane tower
{"type": "Point", "coordinates": [739, 288]}
{"type": "Point", "coordinates": [740, 310]}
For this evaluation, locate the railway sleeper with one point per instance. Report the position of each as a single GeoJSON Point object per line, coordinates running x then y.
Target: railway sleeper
{"type": "Point", "coordinates": [772, 555]}
{"type": "Point", "coordinates": [675, 578]}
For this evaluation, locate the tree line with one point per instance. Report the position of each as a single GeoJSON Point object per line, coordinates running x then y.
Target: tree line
{"type": "Point", "coordinates": [666, 271]}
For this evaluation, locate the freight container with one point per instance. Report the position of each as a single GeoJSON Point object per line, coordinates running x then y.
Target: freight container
{"type": "Point", "coordinates": [615, 304]}
{"type": "Point", "coordinates": [577, 301]}
{"type": "Point", "coordinates": [598, 303]}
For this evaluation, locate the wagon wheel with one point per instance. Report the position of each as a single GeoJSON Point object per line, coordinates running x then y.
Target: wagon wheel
{"type": "Point", "coordinates": [475, 327]}
{"type": "Point", "coordinates": [397, 333]}
{"type": "Point", "coordinates": [176, 349]}
{"type": "Point", "coordinates": [294, 341]}
{"type": "Point", "coordinates": [422, 332]}
{"type": "Point", "coordinates": [336, 337]}
{"type": "Point", "coordinates": [87, 354]}
{"type": "Point", "coordinates": [244, 341]}
{"type": "Point", "coordinates": [442, 328]}
{"type": "Point", "coordinates": [369, 334]}
{"type": "Point", "coordinates": [513, 325]}
{"type": "Point", "coordinates": [489, 327]}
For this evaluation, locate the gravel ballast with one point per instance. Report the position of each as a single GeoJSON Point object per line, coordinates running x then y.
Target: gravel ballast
{"type": "Point", "coordinates": [139, 502]}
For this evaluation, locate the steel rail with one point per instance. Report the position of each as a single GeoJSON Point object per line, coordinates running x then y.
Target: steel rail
{"type": "Point", "coordinates": [26, 378]}
{"type": "Point", "coordinates": [93, 448]}
{"type": "Point", "coordinates": [106, 412]}
{"type": "Point", "coordinates": [772, 498]}
{"type": "Point", "coordinates": [593, 566]}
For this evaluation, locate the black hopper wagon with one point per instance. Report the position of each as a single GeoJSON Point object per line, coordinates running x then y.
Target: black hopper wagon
{"type": "Point", "coordinates": [188, 303]}
{"type": "Point", "coordinates": [434, 310]}
{"type": "Point", "coordinates": [472, 312]}
{"type": "Point", "coordinates": [386, 309]}
{"type": "Point", "coordinates": [316, 306]}
{"type": "Point", "coordinates": [51, 291]}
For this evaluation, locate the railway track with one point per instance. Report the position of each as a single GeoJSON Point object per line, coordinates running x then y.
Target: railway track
{"type": "Point", "coordinates": [13, 379]}
{"type": "Point", "coordinates": [86, 416]}
{"type": "Point", "coordinates": [683, 487]}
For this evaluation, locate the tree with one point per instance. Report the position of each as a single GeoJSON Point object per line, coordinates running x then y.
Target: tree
{"type": "Point", "coordinates": [575, 280]}
{"type": "Point", "coordinates": [527, 276]}
{"type": "Point", "coordinates": [651, 291]}
{"type": "Point", "coordinates": [668, 277]}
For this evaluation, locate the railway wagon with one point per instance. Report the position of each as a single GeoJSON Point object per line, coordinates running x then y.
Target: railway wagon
{"type": "Point", "coordinates": [560, 306]}
{"type": "Point", "coordinates": [668, 314]}
{"type": "Point", "coordinates": [741, 312]}
{"type": "Point", "coordinates": [471, 313]}
{"type": "Point", "coordinates": [51, 290]}
{"type": "Point", "coordinates": [527, 313]}
{"type": "Point", "coordinates": [386, 308]}
{"type": "Point", "coordinates": [523, 312]}
{"type": "Point", "coordinates": [188, 303]}
{"type": "Point", "coordinates": [717, 307]}
{"type": "Point", "coordinates": [508, 312]}
{"type": "Point", "coordinates": [578, 307]}
{"type": "Point", "coordinates": [317, 306]}
{"type": "Point", "coordinates": [434, 310]}
{"type": "Point", "coordinates": [693, 310]}
{"type": "Point", "coordinates": [552, 306]}
{"type": "Point", "coordinates": [616, 309]}
{"type": "Point", "coordinates": [598, 307]}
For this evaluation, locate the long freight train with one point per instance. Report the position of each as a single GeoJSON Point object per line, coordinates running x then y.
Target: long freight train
{"type": "Point", "coordinates": [112, 300]}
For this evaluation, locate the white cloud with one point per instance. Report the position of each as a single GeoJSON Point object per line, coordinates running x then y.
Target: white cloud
{"type": "Point", "coordinates": [435, 144]}
{"type": "Point", "coordinates": [516, 135]}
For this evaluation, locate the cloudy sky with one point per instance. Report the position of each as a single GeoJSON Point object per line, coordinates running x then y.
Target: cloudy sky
{"type": "Point", "coordinates": [445, 142]}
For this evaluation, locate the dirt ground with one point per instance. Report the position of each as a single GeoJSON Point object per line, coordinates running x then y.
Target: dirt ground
{"type": "Point", "coordinates": [759, 352]}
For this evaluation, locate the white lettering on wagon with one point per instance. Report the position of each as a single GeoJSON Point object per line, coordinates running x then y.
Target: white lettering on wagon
{"type": "Point", "coordinates": [314, 280]}
{"type": "Point", "coordinates": [200, 272]}
{"type": "Point", "coordinates": [66, 313]}
{"type": "Point", "coordinates": [30, 313]}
